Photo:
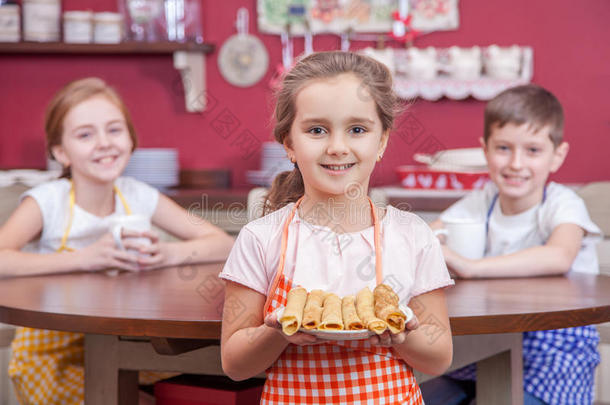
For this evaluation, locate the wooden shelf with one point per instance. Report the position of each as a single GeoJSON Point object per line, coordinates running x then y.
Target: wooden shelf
{"type": "Point", "coordinates": [122, 48]}
{"type": "Point", "coordinates": [188, 58]}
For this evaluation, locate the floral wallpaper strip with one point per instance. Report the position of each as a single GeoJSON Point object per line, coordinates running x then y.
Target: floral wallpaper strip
{"type": "Point", "coordinates": [338, 16]}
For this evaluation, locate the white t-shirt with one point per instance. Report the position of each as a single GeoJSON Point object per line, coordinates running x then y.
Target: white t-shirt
{"type": "Point", "coordinates": [510, 233]}
{"type": "Point", "coordinates": [343, 263]}
{"type": "Point", "coordinates": [53, 198]}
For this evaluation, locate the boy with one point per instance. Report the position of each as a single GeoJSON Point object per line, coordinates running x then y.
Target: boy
{"type": "Point", "coordinates": [534, 228]}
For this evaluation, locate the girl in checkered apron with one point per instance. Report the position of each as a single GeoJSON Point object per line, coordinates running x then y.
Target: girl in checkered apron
{"type": "Point", "coordinates": [334, 114]}
{"type": "Point", "coordinates": [66, 223]}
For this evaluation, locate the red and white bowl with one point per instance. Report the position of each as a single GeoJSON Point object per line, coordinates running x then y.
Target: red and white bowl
{"type": "Point", "coordinates": [423, 178]}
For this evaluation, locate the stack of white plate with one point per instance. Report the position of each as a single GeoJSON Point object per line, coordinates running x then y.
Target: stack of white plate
{"type": "Point", "coordinates": [28, 177]}
{"type": "Point", "coordinates": [155, 166]}
{"type": "Point", "coordinates": [273, 161]}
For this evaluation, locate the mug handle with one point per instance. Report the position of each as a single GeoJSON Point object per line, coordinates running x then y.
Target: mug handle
{"type": "Point", "coordinates": [442, 231]}
{"type": "Point", "coordinates": [117, 232]}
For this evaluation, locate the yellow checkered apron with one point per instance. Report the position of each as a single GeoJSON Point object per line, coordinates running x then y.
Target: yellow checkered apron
{"type": "Point", "coordinates": [47, 366]}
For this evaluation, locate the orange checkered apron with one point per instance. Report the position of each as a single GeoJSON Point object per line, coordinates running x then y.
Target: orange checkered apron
{"type": "Point", "coordinates": [341, 372]}
{"type": "Point", "coordinates": [46, 366]}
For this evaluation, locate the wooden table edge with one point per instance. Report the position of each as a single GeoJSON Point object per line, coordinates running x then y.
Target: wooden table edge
{"type": "Point", "coordinates": [204, 329]}
{"type": "Point", "coordinates": [513, 323]}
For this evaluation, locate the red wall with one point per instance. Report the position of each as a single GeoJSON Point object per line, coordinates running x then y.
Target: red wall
{"type": "Point", "coordinates": [571, 58]}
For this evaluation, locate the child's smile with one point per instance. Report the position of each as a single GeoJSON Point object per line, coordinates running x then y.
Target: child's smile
{"type": "Point", "coordinates": [95, 142]}
{"type": "Point", "coordinates": [520, 161]}
{"type": "Point", "coordinates": [336, 136]}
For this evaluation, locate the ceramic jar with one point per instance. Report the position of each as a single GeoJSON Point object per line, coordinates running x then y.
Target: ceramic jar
{"type": "Point", "coordinates": [464, 63]}
{"type": "Point", "coordinates": [503, 62]}
{"type": "Point", "coordinates": [41, 20]}
{"type": "Point", "coordinates": [78, 26]}
{"type": "Point", "coordinates": [422, 63]}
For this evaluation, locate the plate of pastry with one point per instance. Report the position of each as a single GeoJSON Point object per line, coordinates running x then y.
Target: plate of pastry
{"type": "Point", "coordinates": [330, 317]}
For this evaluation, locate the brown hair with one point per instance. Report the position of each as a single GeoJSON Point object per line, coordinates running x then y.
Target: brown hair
{"type": "Point", "coordinates": [288, 186]}
{"type": "Point", "coordinates": [71, 95]}
{"type": "Point", "coordinates": [529, 104]}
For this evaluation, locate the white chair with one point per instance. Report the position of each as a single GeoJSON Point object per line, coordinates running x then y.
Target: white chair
{"type": "Point", "coordinates": [256, 201]}
{"type": "Point", "coordinates": [597, 199]}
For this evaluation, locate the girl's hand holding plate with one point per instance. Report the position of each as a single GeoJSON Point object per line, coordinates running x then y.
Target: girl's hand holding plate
{"type": "Point", "coordinates": [299, 338]}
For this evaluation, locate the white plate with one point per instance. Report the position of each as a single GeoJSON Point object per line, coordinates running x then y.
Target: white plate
{"type": "Point", "coordinates": [345, 334]}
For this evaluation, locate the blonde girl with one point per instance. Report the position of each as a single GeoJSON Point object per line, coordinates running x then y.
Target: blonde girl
{"type": "Point", "coordinates": [65, 225]}
{"type": "Point", "coordinates": [334, 114]}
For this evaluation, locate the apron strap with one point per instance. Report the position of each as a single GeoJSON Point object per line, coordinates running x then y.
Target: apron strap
{"type": "Point", "coordinates": [72, 202]}
{"type": "Point", "coordinates": [64, 239]}
{"type": "Point", "coordinates": [284, 246]}
{"type": "Point", "coordinates": [280, 268]}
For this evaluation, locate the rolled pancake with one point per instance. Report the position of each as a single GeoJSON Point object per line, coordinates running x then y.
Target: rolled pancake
{"type": "Point", "coordinates": [366, 311]}
{"type": "Point", "coordinates": [331, 314]}
{"type": "Point", "coordinates": [386, 308]}
{"type": "Point", "coordinates": [312, 314]}
{"type": "Point", "coordinates": [350, 316]}
{"type": "Point", "coordinates": [293, 313]}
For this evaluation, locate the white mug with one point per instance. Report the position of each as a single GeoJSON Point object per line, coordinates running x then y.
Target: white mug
{"type": "Point", "coordinates": [465, 236]}
{"type": "Point", "coordinates": [136, 223]}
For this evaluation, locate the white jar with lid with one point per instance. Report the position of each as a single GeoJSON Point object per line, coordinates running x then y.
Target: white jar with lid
{"type": "Point", "coordinates": [108, 28]}
{"type": "Point", "coordinates": [9, 23]}
{"type": "Point", "coordinates": [78, 26]}
{"type": "Point", "coordinates": [41, 20]}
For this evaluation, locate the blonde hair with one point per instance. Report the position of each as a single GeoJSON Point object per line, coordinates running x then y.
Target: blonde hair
{"type": "Point", "coordinates": [71, 95]}
{"type": "Point", "coordinates": [288, 186]}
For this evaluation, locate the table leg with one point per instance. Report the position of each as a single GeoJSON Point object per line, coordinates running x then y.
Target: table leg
{"type": "Point", "coordinates": [499, 366]}
{"type": "Point", "coordinates": [500, 377]}
{"type": "Point", "coordinates": [105, 384]}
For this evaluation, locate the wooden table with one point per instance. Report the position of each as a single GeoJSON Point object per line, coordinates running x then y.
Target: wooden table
{"type": "Point", "coordinates": [179, 309]}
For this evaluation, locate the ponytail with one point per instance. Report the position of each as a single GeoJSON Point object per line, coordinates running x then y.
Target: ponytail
{"type": "Point", "coordinates": [287, 188]}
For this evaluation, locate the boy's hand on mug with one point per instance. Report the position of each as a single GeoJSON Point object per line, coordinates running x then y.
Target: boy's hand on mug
{"type": "Point", "coordinates": [104, 254]}
{"type": "Point", "coordinates": [389, 339]}
{"type": "Point", "coordinates": [299, 338]}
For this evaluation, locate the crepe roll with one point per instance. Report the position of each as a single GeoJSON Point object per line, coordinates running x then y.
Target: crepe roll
{"type": "Point", "coordinates": [351, 320]}
{"type": "Point", "coordinates": [312, 314]}
{"type": "Point", "coordinates": [331, 313]}
{"type": "Point", "coordinates": [293, 313]}
{"type": "Point", "coordinates": [386, 308]}
{"type": "Point", "coordinates": [366, 311]}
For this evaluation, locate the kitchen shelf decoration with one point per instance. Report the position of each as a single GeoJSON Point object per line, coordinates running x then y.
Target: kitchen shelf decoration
{"type": "Point", "coordinates": [188, 58]}
{"type": "Point", "coordinates": [458, 73]}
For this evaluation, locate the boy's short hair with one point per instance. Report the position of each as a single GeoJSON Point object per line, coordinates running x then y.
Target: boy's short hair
{"type": "Point", "coordinates": [529, 104]}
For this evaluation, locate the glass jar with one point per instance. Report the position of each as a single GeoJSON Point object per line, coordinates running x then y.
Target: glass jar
{"type": "Point", "coordinates": [9, 22]}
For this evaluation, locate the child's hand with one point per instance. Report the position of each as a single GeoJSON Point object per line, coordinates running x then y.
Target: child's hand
{"type": "Point", "coordinates": [459, 266]}
{"type": "Point", "coordinates": [150, 255]}
{"type": "Point", "coordinates": [388, 339]}
{"type": "Point", "coordinates": [299, 338]}
{"type": "Point", "coordinates": [104, 254]}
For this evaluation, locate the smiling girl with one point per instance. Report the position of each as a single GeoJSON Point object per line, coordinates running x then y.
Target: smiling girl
{"type": "Point", "coordinates": [334, 114]}
{"type": "Point", "coordinates": [65, 225]}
